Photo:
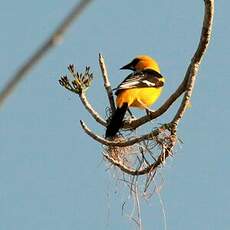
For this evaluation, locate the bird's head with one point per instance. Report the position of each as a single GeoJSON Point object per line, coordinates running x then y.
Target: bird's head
{"type": "Point", "coordinates": [141, 63]}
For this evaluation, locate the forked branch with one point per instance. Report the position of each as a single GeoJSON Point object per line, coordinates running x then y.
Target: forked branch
{"type": "Point", "coordinates": [167, 141]}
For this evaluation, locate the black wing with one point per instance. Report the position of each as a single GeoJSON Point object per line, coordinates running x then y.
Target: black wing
{"type": "Point", "coordinates": [146, 78]}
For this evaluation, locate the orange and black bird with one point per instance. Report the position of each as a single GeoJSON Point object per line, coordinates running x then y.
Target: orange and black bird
{"type": "Point", "coordinates": [140, 89]}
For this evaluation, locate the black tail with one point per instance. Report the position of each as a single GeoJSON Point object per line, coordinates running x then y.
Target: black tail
{"type": "Point", "coordinates": [116, 121]}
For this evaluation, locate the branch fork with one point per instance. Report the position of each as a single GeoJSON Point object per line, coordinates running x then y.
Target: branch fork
{"type": "Point", "coordinates": [163, 137]}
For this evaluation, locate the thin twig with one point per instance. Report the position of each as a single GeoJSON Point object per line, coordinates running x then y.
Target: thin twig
{"type": "Point", "coordinates": [51, 42]}
{"type": "Point", "coordinates": [162, 206]}
{"type": "Point", "coordinates": [137, 201]}
{"type": "Point", "coordinates": [107, 84]}
{"type": "Point", "coordinates": [91, 110]}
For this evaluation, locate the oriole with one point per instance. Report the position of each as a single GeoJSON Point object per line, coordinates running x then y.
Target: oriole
{"type": "Point", "coordinates": [139, 89]}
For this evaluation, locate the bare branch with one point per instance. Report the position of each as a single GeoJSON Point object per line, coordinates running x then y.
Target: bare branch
{"type": "Point", "coordinates": [51, 42]}
{"type": "Point", "coordinates": [106, 82]}
{"type": "Point", "coordinates": [91, 110]}
{"type": "Point", "coordinates": [196, 60]}
{"type": "Point", "coordinates": [132, 141]}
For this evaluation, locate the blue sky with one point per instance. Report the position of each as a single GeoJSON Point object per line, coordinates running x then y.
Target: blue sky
{"type": "Point", "coordinates": [52, 175]}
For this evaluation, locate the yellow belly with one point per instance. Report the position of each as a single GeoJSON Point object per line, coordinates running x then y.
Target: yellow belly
{"type": "Point", "coordinates": [138, 97]}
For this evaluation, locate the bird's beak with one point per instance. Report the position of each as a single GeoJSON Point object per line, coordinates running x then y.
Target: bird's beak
{"type": "Point", "coordinates": [128, 66]}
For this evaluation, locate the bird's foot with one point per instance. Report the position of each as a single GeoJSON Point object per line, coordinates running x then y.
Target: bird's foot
{"type": "Point", "coordinates": [131, 118]}
{"type": "Point", "coordinates": [149, 111]}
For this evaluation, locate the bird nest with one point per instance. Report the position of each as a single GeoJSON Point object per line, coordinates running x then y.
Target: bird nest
{"type": "Point", "coordinates": [144, 157]}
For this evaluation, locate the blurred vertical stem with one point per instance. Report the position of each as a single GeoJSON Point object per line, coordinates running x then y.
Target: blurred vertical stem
{"type": "Point", "coordinates": [51, 42]}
